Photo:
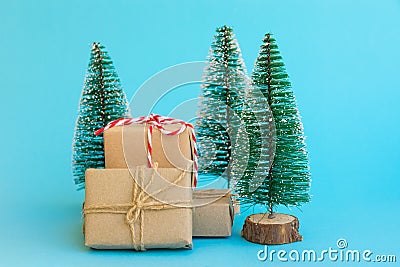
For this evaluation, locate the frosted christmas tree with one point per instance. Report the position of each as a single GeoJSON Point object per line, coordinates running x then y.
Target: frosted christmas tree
{"type": "Point", "coordinates": [102, 101]}
{"type": "Point", "coordinates": [222, 94]}
{"type": "Point", "coordinates": [287, 182]}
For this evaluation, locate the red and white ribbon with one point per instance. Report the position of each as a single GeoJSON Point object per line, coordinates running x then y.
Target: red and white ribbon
{"type": "Point", "coordinates": [157, 121]}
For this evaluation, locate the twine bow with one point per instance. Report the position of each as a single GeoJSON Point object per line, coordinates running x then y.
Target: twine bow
{"type": "Point", "coordinates": [158, 121]}
{"type": "Point", "coordinates": [134, 211]}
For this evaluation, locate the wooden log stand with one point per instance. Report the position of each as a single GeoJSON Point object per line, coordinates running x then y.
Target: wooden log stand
{"type": "Point", "coordinates": [281, 229]}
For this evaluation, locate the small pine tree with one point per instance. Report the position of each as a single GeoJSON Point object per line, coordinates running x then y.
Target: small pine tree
{"type": "Point", "coordinates": [102, 101]}
{"type": "Point", "coordinates": [222, 92]}
{"type": "Point", "coordinates": [288, 180]}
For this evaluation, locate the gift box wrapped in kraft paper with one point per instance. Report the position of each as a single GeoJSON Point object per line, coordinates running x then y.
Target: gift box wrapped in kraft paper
{"type": "Point", "coordinates": [140, 208]}
{"type": "Point", "coordinates": [213, 213]}
{"type": "Point", "coordinates": [144, 140]}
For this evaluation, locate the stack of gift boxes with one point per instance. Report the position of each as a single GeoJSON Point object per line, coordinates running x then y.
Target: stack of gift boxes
{"type": "Point", "coordinates": [145, 197]}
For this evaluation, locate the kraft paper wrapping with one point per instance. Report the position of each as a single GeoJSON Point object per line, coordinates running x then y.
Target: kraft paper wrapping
{"type": "Point", "coordinates": [165, 226]}
{"type": "Point", "coordinates": [212, 213]}
{"type": "Point", "coordinates": [126, 146]}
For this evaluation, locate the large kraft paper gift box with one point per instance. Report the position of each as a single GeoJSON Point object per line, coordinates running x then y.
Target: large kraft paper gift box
{"type": "Point", "coordinates": [127, 146]}
{"type": "Point", "coordinates": [212, 213]}
{"type": "Point", "coordinates": [139, 209]}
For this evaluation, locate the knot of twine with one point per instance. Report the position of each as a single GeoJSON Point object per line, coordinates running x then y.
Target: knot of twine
{"type": "Point", "coordinates": [134, 211]}
{"type": "Point", "coordinates": [157, 121]}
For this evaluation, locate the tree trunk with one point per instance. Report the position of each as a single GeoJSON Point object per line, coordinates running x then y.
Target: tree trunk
{"type": "Point", "coordinates": [282, 229]}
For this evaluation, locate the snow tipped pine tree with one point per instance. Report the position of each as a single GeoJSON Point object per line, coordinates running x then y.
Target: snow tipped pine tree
{"type": "Point", "coordinates": [288, 180]}
{"type": "Point", "coordinates": [102, 101]}
{"type": "Point", "coordinates": [222, 93]}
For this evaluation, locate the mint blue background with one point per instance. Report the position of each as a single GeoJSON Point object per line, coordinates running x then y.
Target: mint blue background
{"type": "Point", "coordinates": [343, 58]}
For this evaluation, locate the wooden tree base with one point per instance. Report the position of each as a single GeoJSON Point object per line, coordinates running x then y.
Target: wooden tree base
{"type": "Point", "coordinates": [281, 229]}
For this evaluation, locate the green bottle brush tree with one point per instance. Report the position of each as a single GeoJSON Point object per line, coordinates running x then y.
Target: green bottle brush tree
{"type": "Point", "coordinates": [222, 95]}
{"type": "Point", "coordinates": [102, 101]}
{"type": "Point", "coordinates": [287, 181]}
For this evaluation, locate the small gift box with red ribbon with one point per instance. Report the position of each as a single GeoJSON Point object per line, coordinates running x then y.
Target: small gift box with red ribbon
{"type": "Point", "coordinates": [131, 142]}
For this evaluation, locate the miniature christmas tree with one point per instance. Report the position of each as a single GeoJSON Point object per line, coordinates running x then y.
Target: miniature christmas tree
{"type": "Point", "coordinates": [222, 93]}
{"type": "Point", "coordinates": [102, 101]}
{"type": "Point", "coordinates": [288, 180]}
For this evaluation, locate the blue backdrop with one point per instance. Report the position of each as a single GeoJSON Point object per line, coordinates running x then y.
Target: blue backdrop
{"type": "Point", "coordinates": [343, 58]}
